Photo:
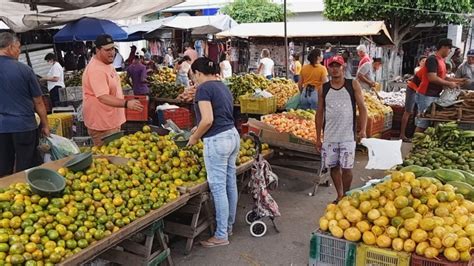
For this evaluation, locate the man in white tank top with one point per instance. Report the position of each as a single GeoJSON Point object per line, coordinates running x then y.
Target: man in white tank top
{"type": "Point", "coordinates": [336, 116]}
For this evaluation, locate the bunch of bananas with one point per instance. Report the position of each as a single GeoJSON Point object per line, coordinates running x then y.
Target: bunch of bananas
{"type": "Point", "coordinates": [375, 107]}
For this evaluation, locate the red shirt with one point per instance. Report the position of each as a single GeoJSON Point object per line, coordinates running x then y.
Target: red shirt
{"type": "Point", "coordinates": [434, 64]}
{"type": "Point", "coordinates": [365, 59]}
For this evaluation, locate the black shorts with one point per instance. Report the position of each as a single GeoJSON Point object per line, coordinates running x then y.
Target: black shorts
{"type": "Point", "coordinates": [19, 151]}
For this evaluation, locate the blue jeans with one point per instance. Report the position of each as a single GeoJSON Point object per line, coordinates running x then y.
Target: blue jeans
{"type": "Point", "coordinates": [220, 153]}
{"type": "Point", "coordinates": [309, 99]}
{"type": "Point", "coordinates": [182, 80]}
{"type": "Point", "coordinates": [423, 102]}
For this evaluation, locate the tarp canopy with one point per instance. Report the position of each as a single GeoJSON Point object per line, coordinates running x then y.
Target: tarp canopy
{"type": "Point", "coordinates": [24, 15]}
{"type": "Point", "coordinates": [198, 24]}
{"type": "Point", "coordinates": [87, 29]}
{"type": "Point", "coordinates": [375, 29]}
{"type": "Point", "coordinates": [146, 26]}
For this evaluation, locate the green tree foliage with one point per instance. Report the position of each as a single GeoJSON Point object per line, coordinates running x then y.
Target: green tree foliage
{"type": "Point", "coordinates": [252, 11]}
{"type": "Point", "coordinates": [400, 16]}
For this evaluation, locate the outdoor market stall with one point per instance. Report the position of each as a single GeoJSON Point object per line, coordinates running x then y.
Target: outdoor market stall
{"type": "Point", "coordinates": [113, 211]}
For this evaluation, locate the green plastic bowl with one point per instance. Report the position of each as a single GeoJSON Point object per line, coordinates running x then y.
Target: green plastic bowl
{"type": "Point", "coordinates": [182, 143]}
{"type": "Point", "coordinates": [45, 182]}
{"type": "Point", "coordinates": [80, 162]}
{"type": "Point", "coordinates": [111, 137]}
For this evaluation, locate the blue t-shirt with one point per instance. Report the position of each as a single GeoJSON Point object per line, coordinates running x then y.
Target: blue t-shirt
{"type": "Point", "coordinates": [18, 87]}
{"type": "Point", "coordinates": [222, 103]}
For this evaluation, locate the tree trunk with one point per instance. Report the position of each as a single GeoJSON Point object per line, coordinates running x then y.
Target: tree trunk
{"type": "Point", "coordinates": [397, 37]}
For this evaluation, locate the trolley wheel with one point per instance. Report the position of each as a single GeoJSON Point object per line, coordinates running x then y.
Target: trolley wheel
{"type": "Point", "coordinates": [251, 217]}
{"type": "Point", "coordinates": [258, 229]}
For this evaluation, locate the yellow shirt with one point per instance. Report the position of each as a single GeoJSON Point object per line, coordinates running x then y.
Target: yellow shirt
{"type": "Point", "coordinates": [297, 67]}
{"type": "Point", "coordinates": [313, 75]}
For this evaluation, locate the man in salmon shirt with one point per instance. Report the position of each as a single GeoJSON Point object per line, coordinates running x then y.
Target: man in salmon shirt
{"type": "Point", "coordinates": [103, 105]}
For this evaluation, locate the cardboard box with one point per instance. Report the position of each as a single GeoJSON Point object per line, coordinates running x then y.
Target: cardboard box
{"type": "Point", "coordinates": [270, 135]}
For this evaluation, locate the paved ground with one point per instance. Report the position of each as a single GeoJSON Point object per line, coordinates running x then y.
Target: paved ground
{"type": "Point", "coordinates": [289, 247]}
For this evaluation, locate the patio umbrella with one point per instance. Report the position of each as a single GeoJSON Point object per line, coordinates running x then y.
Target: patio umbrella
{"type": "Point", "coordinates": [87, 29]}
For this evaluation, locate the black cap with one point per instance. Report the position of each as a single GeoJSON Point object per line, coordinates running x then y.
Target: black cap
{"type": "Point", "coordinates": [445, 42]}
{"type": "Point", "coordinates": [103, 40]}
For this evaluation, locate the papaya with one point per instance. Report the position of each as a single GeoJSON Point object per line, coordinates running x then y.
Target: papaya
{"type": "Point", "coordinates": [462, 188]}
{"type": "Point", "coordinates": [468, 176]}
{"type": "Point", "coordinates": [447, 175]}
{"type": "Point", "coordinates": [416, 169]}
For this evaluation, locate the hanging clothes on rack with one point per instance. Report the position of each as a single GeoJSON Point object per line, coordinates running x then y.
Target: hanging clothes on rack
{"type": "Point", "coordinates": [153, 47]}
{"type": "Point", "coordinates": [198, 46]}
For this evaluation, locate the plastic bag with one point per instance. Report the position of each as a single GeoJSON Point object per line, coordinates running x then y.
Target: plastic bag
{"type": "Point", "coordinates": [293, 102]}
{"type": "Point", "coordinates": [448, 97]}
{"type": "Point", "coordinates": [383, 154]}
{"type": "Point", "coordinates": [61, 147]}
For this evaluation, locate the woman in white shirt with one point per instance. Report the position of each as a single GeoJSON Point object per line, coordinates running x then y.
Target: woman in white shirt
{"type": "Point", "coordinates": [182, 71]}
{"type": "Point", "coordinates": [55, 79]}
{"type": "Point", "coordinates": [226, 68]}
{"type": "Point", "coordinates": [266, 67]}
{"type": "Point", "coordinates": [168, 61]}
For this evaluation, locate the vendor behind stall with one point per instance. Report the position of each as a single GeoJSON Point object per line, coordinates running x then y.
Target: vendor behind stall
{"type": "Point", "coordinates": [103, 98]}
{"type": "Point", "coordinates": [55, 79]}
{"type": "Point", "coordinates": [432, 80]}
{"type": "Point", "coordinates": [466, 71]}
{"type": "Point", "coordinates": [137, 72]}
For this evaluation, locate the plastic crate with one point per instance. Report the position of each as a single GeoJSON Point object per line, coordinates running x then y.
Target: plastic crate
{"type": "Point", "coordinates": [70, 94]}
{"type": "Point", "coordinates": [83, 141]}
{"type": "Point", "coordinates": [133, 115]}
{"type": "Point", "coordinates": [61, 124]}
{"type": "Point", "coordinates": [180, 116]}
{"type": "Point", "coordinates": [417, 260]}
{"type": "Point", "coordinates": [388, 121]}
{"type": "Point", "coordinates": [368, 255]}
{"type": "Point", "coordinates": [375, 125]}
{"type": "Point", "coordinates": [259, 106]}
{"type": "Point", "coordinates": [131, 127]}
{"type": "Point", "coordinates": [79, 129]}
{"type": "Point", "coordinates": [328, 250]}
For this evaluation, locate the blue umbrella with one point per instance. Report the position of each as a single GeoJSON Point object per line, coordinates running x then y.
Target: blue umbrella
{"type": "Point", "coordinates": [87, 29]}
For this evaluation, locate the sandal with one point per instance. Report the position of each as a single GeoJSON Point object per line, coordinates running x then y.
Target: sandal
{"type": "Point", "coordinates": [214, 242]}
{"type": "Point", "coordinates": [406, 140]}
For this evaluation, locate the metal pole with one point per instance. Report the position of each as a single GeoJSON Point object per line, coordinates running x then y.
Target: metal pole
{"type": "Point", "coordinates": [286, 39]}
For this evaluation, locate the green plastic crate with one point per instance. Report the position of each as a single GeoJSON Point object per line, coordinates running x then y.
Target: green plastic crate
{"type": "Point", "coordinates": [328, 250]}
{"type": "Point", "coordinates": [369, 255]}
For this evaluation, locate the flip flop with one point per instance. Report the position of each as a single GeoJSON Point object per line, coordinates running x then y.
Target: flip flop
{"type": "Point", "coordinates": [407, 140]}
{"type": "Point", "coordinates": [212, 244]}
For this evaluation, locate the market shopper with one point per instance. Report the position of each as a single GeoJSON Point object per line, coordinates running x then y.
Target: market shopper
{"type": "Point", "coordinates": [410, 99]}
{"type": "Point", "coordinates": [349, 67]}
{"type": "Point", "coordinates": [466, 71]}
{"type": "Point", "coordinates": [137, 72]}
{"type": "Point", "coordinates": [183, 68]}
{"type": "Point", "coordinates": [21, 97]}
{"type": "Point", "coordinates": [225, 66]}
{"type": "Point", "coordinates": [432, 79]}
{"type": "Point", "coordinates": [103, 106]}
{"type": "Point", "coordinates": [118, 61]}
{"type": "Point", "coordinates": [328, 53]}
{"type": "Point", "coordinates": [214, 114]}
{"type": "Point", "coordinates": [266, 65]}
{"type": "Point", "coordinates": [54, 78]}
{"type": "Point", "coordinates": [189, 51]}
{"type": "Point", "coordinates": [295, 68]}
{"type": "Point", "coordinates": [146, 54]}
{"type": "Point", "coordinates": [312, 78]}
{"type": "Point", "coordinates": [336, 117]}
{"type": "Point", "coordinates": [169, 59]}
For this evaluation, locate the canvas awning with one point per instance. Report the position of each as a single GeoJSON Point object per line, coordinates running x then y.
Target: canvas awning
{"type": "Point", "coordinates": [320, 29]}
{"type": "Point", "coordinates": [199, 24]}
{"type": "Point", "coordinates": [24, 15]}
